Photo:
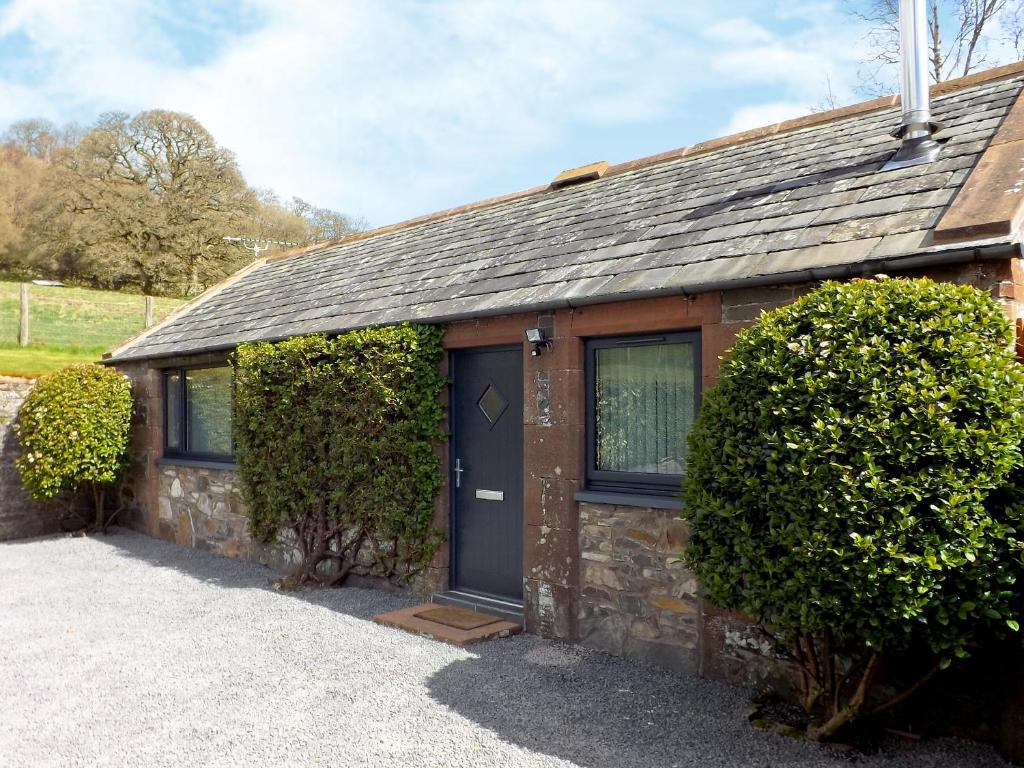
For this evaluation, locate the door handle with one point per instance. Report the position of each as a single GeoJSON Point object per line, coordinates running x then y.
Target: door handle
{"type": "Point", "coordinates": [458, 473]}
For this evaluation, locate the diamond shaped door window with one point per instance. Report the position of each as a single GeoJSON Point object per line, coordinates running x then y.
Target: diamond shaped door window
{"type": "Point", "coordinates": [492, 403]}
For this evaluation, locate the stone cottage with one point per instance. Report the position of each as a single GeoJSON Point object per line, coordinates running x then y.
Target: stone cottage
{"type": "Point", "coordinates": [571, 307]}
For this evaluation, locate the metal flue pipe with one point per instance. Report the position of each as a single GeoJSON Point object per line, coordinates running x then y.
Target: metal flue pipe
{"type": "Point", "coordinates": [917, 113]}
{"type": "Point", "coordinates": [916, 127]}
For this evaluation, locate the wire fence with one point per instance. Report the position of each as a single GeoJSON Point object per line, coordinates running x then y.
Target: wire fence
{"type": "Point", "coordinates": [74, 318]}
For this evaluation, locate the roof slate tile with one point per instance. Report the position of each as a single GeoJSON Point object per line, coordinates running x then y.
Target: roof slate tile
{"type": "Point", "coordinates": [796, 199]}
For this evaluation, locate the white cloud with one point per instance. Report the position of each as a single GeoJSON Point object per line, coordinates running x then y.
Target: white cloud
{"type": "Point", "coordinates": [391, 110]}
{"type": "Point", "coordinates": [828, 45]}
{"type": "Point", "coordinates": [803, 70]}
{"type": "Point", "coordinates": [738, 30]}
{"type": "Point", "coordinates": [759, 115]}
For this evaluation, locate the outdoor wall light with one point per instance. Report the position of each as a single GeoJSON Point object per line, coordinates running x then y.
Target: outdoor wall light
{"type": "Point", "coordinates": [539, 338]}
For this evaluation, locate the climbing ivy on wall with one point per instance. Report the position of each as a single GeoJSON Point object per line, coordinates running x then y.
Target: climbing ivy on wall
{"type": "Point", "coordinates": [336, 448]}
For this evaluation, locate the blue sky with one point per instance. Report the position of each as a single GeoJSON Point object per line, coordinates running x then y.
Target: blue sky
{"type": "Point", "coordinates": [389, 109]}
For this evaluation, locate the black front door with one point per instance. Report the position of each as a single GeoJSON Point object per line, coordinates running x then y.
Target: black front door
{"type": "Point", "coordinates": [487, 472]}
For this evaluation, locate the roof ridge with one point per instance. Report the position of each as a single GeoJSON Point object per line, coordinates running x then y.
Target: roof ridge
{"type": "Point", "coordinates": [701, 148]}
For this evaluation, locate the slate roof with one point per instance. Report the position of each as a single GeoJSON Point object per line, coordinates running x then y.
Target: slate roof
{"type": "Point", "coordinates": [796, 202]}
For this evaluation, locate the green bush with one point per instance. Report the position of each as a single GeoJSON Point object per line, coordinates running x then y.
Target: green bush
{"type": "Point", "coordinates": [336, 446]}
{"type": "Point", "coordinates": [74, 429]}
{"type": "Point", "coordinates": [847, 478]}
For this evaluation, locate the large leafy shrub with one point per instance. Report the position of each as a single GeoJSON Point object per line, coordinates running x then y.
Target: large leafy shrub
{"type": "Point", "coordinates": [847, 481]}
{"type": "Point", "coordinates": [74, 429]}
{"type": "Point", "coordinates": [336, 446]}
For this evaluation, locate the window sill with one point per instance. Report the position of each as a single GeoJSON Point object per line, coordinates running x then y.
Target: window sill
{"type": "Point", "coordinates": [199, 463]}
{"type": "Point", "coordinates": [629, 499]}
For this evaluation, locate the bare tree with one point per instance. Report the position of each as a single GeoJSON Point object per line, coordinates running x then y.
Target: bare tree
{"type": "Point", "coordinates": [959, 37]}
{"type": "Point", "coordinates": [278, 226]}
{"type": "Point", "coordinates": [273, 222]}
{"type": "Point", "coordinates": [21, 181]}
{"type": "Point", "coordinates": [148, 200]}
{"type": "Point", "coordinates": [323, 223]}
{"type": "Point", "coordinates": [34, 137]}
{"type": "Point", "coordinates": [829, 100]}
{"type": "Point", "coordinates": [1012, 23]}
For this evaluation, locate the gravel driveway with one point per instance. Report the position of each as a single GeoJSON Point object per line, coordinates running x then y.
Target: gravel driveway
{"type": "Point", "coordinates": [127, 651]}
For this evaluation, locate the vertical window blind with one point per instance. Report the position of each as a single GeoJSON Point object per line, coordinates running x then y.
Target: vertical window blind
{"type": "Point", "coordinates": [644, 395]}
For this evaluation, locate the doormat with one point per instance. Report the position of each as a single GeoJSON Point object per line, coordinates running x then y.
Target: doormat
{"type": "Point", "coordinates": [460, 618]}
{"type": "Point", "coordinates": [415, 619]}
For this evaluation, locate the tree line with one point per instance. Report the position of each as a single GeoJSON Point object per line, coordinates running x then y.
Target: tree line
{"type": "Point", "coordinates": [150, 203]}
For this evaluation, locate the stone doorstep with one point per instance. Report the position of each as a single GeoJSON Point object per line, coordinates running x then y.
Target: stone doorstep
{"type": "Point", "coordinates": [409, 620]}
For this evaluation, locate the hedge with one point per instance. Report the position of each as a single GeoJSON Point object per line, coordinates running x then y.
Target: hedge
{"type": "Point", "coordinates": [336, 448]}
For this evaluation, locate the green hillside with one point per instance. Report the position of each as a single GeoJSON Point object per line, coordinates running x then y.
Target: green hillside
{"type": "Point", "coordinates": [69, 325]}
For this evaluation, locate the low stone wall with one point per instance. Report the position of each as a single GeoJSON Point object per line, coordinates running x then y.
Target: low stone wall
{"type": "Point", "coordinates": [732, 648]}
{"type": "Point", "coordinates": [201, 507]}
{"type": "Point", "coordinates": [636, 600]}
{"type": "Point", "coordinates": [20, 517]}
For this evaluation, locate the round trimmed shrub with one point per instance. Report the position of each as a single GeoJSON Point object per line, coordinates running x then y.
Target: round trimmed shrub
{"type": "Point", "coordinates": [74, 430]}
{"type": "Point", "coordinates": [847, 481]}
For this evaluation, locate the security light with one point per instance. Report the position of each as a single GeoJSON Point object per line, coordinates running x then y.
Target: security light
{"type": "Point", "coordinates": [539, 338]}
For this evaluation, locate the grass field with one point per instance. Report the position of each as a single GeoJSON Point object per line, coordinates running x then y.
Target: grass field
{"type": "Point", "coordinates": [69, 325]}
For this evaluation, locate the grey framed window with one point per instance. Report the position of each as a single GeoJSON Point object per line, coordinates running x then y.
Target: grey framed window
{"type": "Point", "coordinates": [197, 413]}
{"type": "Point", "coordinates": [643, 394]}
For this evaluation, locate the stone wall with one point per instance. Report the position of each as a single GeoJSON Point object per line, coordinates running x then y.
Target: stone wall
{"type": "Point", "coordinates": [20, 517]}
{"type": "Point", "coordinates": [636, 600]}
{"type": "Point", "coordinates": [733, 649]}
{"type": "Point", "coordinates": [200, 507]}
